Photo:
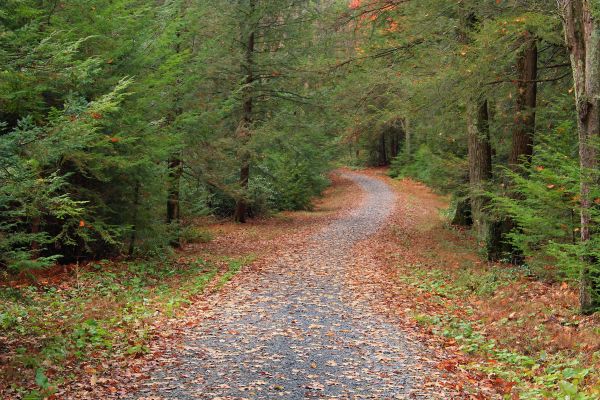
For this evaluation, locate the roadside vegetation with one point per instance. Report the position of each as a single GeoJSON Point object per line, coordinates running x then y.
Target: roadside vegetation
{"type": "Point", "coordinates": [93, 314]}
{"type": "Point", "coordinates": [503, 329]}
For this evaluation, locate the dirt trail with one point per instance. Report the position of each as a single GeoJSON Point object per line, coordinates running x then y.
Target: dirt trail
{"type": "Point", "coordinates": [296, 330]}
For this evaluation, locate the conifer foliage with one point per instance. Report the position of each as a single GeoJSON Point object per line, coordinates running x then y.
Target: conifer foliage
{"type": "Point", "coordinates": [500, 102]}
{"type": "Point", "coordinates": [122, 120]}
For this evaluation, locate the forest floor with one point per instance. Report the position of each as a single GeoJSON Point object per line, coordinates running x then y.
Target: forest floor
{"type": "Point", "coordinates": [370, 295]}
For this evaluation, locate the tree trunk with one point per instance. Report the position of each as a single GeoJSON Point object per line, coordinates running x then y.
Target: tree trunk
{"type": "Point", "coordinates": [407, 138]}
{"type": "Point", "coordinates": [136, 204]}
{"type": "Point", "coordinates": [396, 137]}
{"type": "Point", "coordinates": [480, 164]}
{"type": "Point", "coordinates": [173, 211]}
{"type": "Point", "coordinates": [383, 151]}
{"type": "Point", "coordinates": [521, 149]}
{"type": "Point", "coordinates": [462, 215]}
{"type": "Point", "coordinates": [174, 163]}
{"type": "Point", "coordinates": [393, 144]}
{"type": "Point", "coordinates": [241, 206]}
{"type": "Point", "coordinates": [582, 35]}
{"type": "Point", "coordinates": [522, 139]}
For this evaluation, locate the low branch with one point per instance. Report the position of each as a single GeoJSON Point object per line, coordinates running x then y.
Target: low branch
{"type": "Point", "coordinates": [558, 78]}
{"type": "Point", "coordinates": [380, 54]}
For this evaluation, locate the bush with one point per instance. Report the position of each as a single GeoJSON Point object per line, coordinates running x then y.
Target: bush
{"type": "Point", "coordinates": [295, 184]}
{"type": "Point", "coordinates": [441, 172]}
{"type": "Point", "coordinates": [194, 234]}
{"type": "Point", "coordinates": [545, 207]}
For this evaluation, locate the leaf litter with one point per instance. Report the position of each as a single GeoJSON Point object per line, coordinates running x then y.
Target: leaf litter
{"type": "Point", "coordinates": [312, 317]}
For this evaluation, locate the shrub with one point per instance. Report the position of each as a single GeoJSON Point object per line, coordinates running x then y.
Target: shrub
{"type": "Point", "coordinates": [441, 172]}
{"type": "Point", "coordinates": [194, 234]}
{"type": "Point", "coordinates": [545, 206]}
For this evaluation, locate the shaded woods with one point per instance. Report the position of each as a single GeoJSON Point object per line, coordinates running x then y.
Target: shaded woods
{"type": "Point", "coordinates": [128, 129]}
{"type": "Point", "coordinates": [498, 107]}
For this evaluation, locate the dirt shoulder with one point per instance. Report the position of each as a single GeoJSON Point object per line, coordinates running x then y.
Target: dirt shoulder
{"type": "Point", "coordinates": [500, 331]}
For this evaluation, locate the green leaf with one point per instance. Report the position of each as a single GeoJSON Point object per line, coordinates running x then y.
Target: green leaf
{"type": "Point", "coordinates": [41, 379]}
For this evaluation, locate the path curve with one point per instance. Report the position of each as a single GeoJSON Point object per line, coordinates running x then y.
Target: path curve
{"type": "Point", "coordinates": [297, 331]}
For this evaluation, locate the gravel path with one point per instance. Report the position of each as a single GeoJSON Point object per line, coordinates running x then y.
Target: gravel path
{"type": "Point", "coordinates": [295, 331]}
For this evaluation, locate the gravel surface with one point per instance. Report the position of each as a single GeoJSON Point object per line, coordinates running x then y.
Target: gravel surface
{"type": "Point", "coordinates": [296, 331]}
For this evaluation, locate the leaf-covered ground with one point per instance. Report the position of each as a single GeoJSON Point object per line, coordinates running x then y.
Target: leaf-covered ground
{"type": "Point", "coordinates": [64, 330]}
{"type": "Point", "coordinates": [295, 329]}
{"type": "Point", "coordinates": [368, 296]}
{"type": "Point", "coordinates": [293, 325]}
{"type": "Point", "coordinates": [499, 330]}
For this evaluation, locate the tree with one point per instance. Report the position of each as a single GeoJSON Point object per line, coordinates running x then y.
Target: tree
{"type": "Point", "coordinates": [525, 104]}
{"type": "Point", "coordinates": [480, 164]}
{"type": "Point", "coordinates": [582, 35]}
{"type": "Point", "coordinates": [249, 27]}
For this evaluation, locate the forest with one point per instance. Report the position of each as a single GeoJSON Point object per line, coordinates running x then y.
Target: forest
{"type": "Point", "coordinates": [153, 151]}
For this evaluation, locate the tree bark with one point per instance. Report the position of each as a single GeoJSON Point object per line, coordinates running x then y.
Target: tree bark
{"type": "Point", "coordinates": [471, 210]}
{"type": "Point", "coordinates": [396, 137]}
{"type": "Point", "coordinates": [522, 147]}
{"type": "Point", "coordinates": [241, 207]}
{"type": "Point", "coordinates": [480, 164]}
{"type": "Point", "coordinates": [136, 205]}
{"type": "Point", "coordinates": [523, 134]}
{"type": "Point", "coordinates": [383, 160]}
{"type": "Point", "coordinates": [173, 209]}
{"type": "Point", "coordinates": [582, 35]}
{"type": "Point", "coordinates": [174, 163]}
{"type": "Point", "coordinates": [407, 138]}
{"type": "Point", "coordinates": [462, 215]}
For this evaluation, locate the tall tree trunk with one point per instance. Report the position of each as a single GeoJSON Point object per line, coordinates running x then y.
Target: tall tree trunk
{"type": "Point", "coordinates": [393, 143]}
{"type": "Point", "coordinates": [521, 149]}
{"type": "Point", "coordinates": [582, 35]}
{"type": "Point", "coordinates": [241, 206]}
{"type": "Point", "coordinates": [470, 204]}
{"type": "Point", "coordinates": [383, 151]}
{"type": "Point", "coordinates": [522, 139]}
{"type": "Point", "coordinates": [407, 138]}
{"type": "Point", "coordinates": [175, 163]}
{"type": "Point", "coordinates": [173, 210]}
{"type": "Point", "coordinates": [396, 137]}
{"type": "Point", "coordinates": [480, 164]}
{"type": "Point", "coordinates": [134, 217]}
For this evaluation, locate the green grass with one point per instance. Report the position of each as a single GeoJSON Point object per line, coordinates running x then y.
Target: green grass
{"type": "Point", "coordinates": [559, 376]}
{"type": "Point", "coordinates": [556, 376]}
{"type": "Point", "coordinates": [234, 266]}
{"type": "Point", "coordinates": [106, 311]}
{"type": "Point", "coordinates": [463, 283]}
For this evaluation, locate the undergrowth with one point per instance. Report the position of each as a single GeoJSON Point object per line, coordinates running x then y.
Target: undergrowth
{"type": "Point", "coordinates": [105, 311]}
{"type": "Point", "coordinates": [560, 375]}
